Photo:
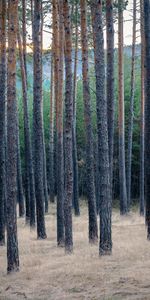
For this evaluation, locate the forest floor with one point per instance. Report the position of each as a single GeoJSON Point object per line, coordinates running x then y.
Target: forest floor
{"type": "Point", "coordinates": [47, 273]}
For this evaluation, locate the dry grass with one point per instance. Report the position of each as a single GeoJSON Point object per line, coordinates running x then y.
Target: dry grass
{"type": "Point", "coordinates": [47, 273]}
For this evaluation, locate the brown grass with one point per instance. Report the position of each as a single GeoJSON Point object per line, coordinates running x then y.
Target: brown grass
{"type": "Point", "coordinates": [47, 273]}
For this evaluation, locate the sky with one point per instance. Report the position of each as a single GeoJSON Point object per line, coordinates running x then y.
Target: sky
{"type": "Point", "coordinates": [127, 29]}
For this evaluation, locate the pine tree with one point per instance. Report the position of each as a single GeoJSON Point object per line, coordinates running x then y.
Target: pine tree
{"type": "Point", "coordinates": [93, 231]}
{"type": "Point", "coordinates": [38, 120]}
{"type": "Point", "coordinates": [68, 130]}
{"type": "Point", "coordinates": [142, 196]}
{"type": "Point", "coordinates": [105, 245]}
{"type": "Point", "coordinates": [2, 117]}
{"type": "Point", "coordinates": [147, 111]}
{"type": "Point", "coordinates": [131, 109]}
{"type": "Point", "coordinates": [110, 82]}
{"type": "Point", "coordinates": [12, 240]}
{"type": "Point", "coordinates": [122, 171]}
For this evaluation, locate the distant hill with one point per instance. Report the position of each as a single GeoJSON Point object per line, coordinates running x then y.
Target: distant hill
{"type": "Point", "coordinates": [47, 64]}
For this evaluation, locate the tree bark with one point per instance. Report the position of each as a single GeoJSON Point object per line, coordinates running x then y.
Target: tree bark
{"type": "Point", "coordinates": [38, 121]}
{"type": "Point", "coordinates": [122, 172]}
{"type": "Point", "coordinates": [51, 133]}
{"type": "Point", "coordinates": [131, 110]}
{"type": "Point", "coordinates": [24, 34]}
{"type": "Point", "coordinates": [110, 82]}
{"type": "Point", "coordinates": [30, 186]}
{"type": "Point", "coordinates": [147, 112]}
{"type": "Point", "coordinates": [93, 231]}
{"type": "Point", "coordinates": [60, 150]}
{"type": "Point", "coordinates": [2, 118]}
{"type": "Point", "coordinates": [68, 130]}
{"type": "Point", "coordinates": [20, 194]}
{"type": "Point", "coordinates": [105, 244]}
{"type": "Point", "coordinates": [142, 196]}
{"type": "Point", "coordinates": [12, 241]}
{"type": "Point", "coordinates": [75, 158]}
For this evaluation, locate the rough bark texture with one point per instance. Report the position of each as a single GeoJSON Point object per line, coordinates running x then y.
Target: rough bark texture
{"type": "Point", "coordinates": [58, 29]}
{"type": "Point", "coordinates": [12, 241]}
{"type": "Point", "coordinates": [142, 204]}
{"type": "Point", "coordinates": [24, 34]}
{"type": "Point", "coordinates": [60, 150]}
{"type": "Point", "coordinates": [2, 117]}
{"type": "Point", "coordinates": [68, 130]}
{"type": "Point", "coordinates": [131, 108]}
{"type": "Point", "coordinates": [93, 231]}
{"type": "Point", "coordinates": [51, 134]}
{"type": "Point", "coordinates": [147, 112]}
{"type": "Point", "coordinates": [75, 158]}
{"type": "Point", "coordinates": [122, 172]}
{"type": "Point", "coordinates": [30, 187]}
{"type": "Point", "coordinates": [110, 82]}
{"type": "Point", "coordinates": [38, 122]}
{"type": "Point", "coordinates": [20, 194]}
{"type": "Point", "coordinates": [105, 245]}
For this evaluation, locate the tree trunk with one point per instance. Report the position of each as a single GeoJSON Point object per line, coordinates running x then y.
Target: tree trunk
{"type": "Point", "coordinates": [60, 150]}
{"type": "Point", "coordinates": [105, 245]}
{"type": "Point", "coordinates": [51, 133]}
{"type": "Point", "coordinates": [93, 231]}
{"type": "Point", "coordinates": [68, 130]}
{"type": "Point", "coordinates": [110, 83]}
{"type": "Point", "coordinates": [38, 121]}
{"type": "Point", "coordinates": [12, 241]}
{"type": "Point", "coordinates": [122, 172]}
{"type": "Point", "coordinates": [20, 194]}
{"type": "Point", "coordinates": [24, 34]}
{"type": "Point", "coordinates": [75, 158]}
{"type": "Point", "coordinates": [142, 204]}
{"type": "Point", "coordinates": [2, 117]}
{"type": "Point", "coordinates": [147, 112]}
{"type": "Point", "coordinates": [131, 110]}
{"type": "Point", "coordinates": [30, 186]}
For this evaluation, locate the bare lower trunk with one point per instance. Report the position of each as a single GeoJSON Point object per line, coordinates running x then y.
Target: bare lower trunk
{"type": "Point", "coordinates": [93, 231]}
{"type": "Point", "coordinates": [147, 112]}
{"type": "Point", "coordinates": [75, 159]}
{"type": "Point", "coordinates": [12, 241]}
{"type": "Point", "coordinates": [142, 196]}
{"type": "Point", "coordinates": [131, 110]}
{"type": "Point", "coordinates": [29, 187]}
{"type": "Point", "coordinates": [51, 134]}
{"type": "Point", "coordinates": [38, 122]}
{"type": "Point", "coordinates": [122, 172]}
{"type": "Point", "coordinates": [110, 82]}
{"type": "Point", "coordinates": [2, 118]}
{"type": "Point", "coordinates": [68, 130]}
{"type": "Point", "coordinates": [105, 244]}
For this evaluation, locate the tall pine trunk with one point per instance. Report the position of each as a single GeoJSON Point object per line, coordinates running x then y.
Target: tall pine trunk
{"type": "Point", "coordinates": [122, 171]}
{"type": "Point", "coordinates": [27, 137]}
{"type": "Point", "coordinates": [12, 240]}
{"type": "Point", "coordinates": [142, 204]}
{"type": "Point", "coordinates": [24, 34]}
{"type": "Point", "coordinates": [75, 158]}
{"type": "Point", "coordinates": [68, 130]}
{"type": "Point", "coordinates": [147, 112]}
{"type": "Point", "coordinates": [131, 110]}
{"type": "Point", "coordinates": [58, 44]}
{"type": "Point", "coordinates": [20, 194]}
{"type": "Point", "coordinates": [60, 150]}
{"type": "Point", "coordinates": [93, 231]}
{"type": "Point", "coordinates": [105, 245]}
{"type": "Point", "coordinates": [110, 82]}
{"type": "Point", "coordinates": [51, 133]}
{"type": "Point", "coordinates": [38, 121]}
{"type": "Point", "coordinates": [2, 118]}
